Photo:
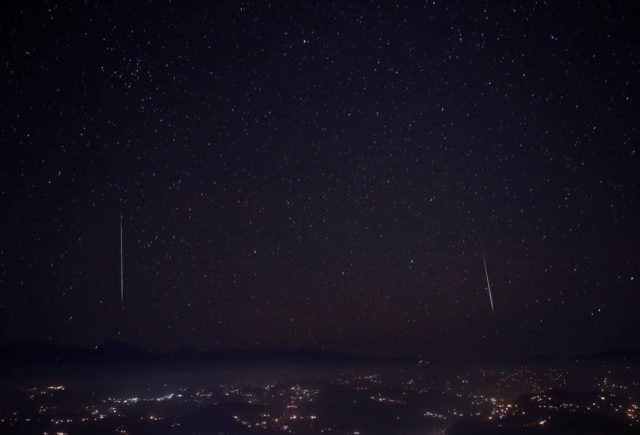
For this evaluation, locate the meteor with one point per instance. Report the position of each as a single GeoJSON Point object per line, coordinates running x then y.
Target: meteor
{"type": "Point", "coordinates": [121, 263]}
{"type": "Point", "coordinates": [488, 283]}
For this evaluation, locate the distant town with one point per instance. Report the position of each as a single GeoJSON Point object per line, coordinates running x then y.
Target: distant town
{"type": "Point", "coordinates": [293, 398]}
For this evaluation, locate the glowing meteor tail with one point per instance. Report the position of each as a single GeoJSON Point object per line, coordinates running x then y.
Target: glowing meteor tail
{"type": "Point", "coordinates": [121, 263]}
{"type": "Point", "coordinates": [488, 283]}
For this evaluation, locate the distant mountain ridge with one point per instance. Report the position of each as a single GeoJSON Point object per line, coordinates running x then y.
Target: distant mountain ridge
{"type": "Point", "coordinates": [26, 354]}
{"type": "Point", "coordinates": [31, 353]}
{"type": "Point", "coordinates": [611, 354]}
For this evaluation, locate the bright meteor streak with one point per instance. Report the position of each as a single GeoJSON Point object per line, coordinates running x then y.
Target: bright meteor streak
{"type": "Point", "coordinates": [488, 283]}
{"type": "Point", "coordinates": [121, 263]}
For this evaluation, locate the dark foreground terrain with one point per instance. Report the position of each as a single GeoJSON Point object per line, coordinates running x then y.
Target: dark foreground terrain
{"type": "Point", "coordinates": [591, 396]}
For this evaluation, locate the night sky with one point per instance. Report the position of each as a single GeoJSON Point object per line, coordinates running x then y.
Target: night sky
{"type": "Point", "coordinates": [322, 174]}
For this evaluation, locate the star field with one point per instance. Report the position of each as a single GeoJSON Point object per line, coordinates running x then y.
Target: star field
{"type": "Point", "coordinates": [322, 174]}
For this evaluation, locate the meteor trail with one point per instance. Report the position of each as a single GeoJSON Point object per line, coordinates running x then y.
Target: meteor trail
{"type": "Point", "coordinates": [121, 263]}
{"type": "Point", "coordinates": [488, 284]}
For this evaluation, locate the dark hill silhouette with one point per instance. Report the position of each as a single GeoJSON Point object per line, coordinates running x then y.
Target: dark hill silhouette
{"type": "Point", "coordinates": [611, 354]}
{"type": "Point", "coordinates": [32, 354]}
{"type": "Point", "coordinates": [25, 354]}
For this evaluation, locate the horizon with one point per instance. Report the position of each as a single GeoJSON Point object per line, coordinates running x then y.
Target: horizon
{"type": "Point", "coordinates": [321, 351]}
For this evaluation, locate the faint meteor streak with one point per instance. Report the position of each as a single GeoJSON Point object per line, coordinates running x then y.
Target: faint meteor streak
{"type": "Point", "coordinates": [121, 263]}
{"type": "Point", "coordinates": [488, 283]}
